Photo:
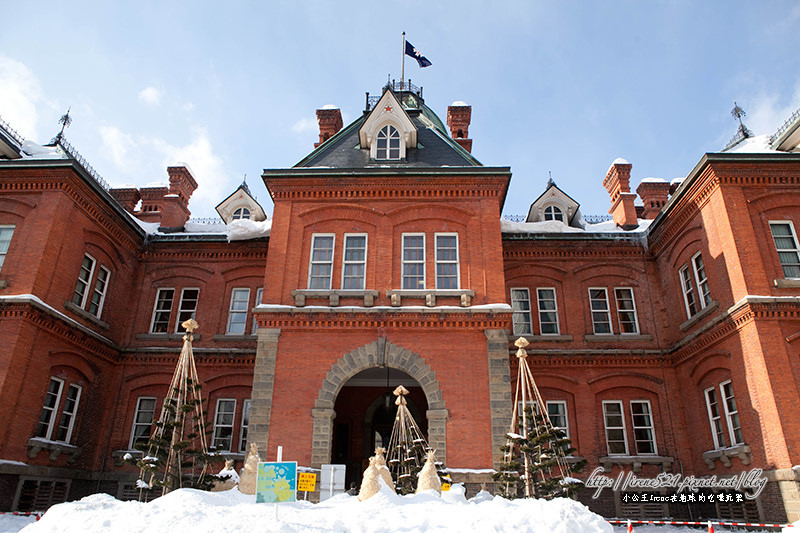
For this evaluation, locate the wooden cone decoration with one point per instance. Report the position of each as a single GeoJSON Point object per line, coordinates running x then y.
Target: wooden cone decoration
{"type": "Point", "coordinates": [428, 479]}
{"type": "Point", "coordinates": [383, 470]}
{"type": "Point", "coordinates": [247, 482]}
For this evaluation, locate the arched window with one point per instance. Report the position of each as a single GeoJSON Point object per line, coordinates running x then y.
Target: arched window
{"type": "Point", "coordinates": [552, 212]}
{"type": "Point", "coordinates": [241, 213]}
{"type": "Point", "coordinates": [388, 146]}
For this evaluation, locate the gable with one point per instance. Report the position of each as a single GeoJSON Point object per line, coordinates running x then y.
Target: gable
{"type": "Point", "coordinates": [240, 199]}
{"type": "Point", "coordinates": [387, 112]}
{"type": "Point", "coordinates": [553, 198]}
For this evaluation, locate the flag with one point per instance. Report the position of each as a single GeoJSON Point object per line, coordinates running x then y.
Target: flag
{"type": "Point", "coordinates": [416, 54]}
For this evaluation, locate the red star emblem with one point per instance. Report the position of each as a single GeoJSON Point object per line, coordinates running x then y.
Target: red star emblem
{"type": "Point", "coordinates": [388, 109]}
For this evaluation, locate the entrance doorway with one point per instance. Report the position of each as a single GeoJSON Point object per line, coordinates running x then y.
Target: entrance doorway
{"type": "Point", "coordinates": [365, 412]}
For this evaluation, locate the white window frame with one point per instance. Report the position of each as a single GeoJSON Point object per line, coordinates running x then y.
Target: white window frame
{"type": "Point", "coordinates": [443, 262]}
{"type": "Point", "coordinates": [241, 213]}
{"type": "Point", "coordinates": [554, 212]}
{"type": "Point", "coordinates": [329, 262]}
{"type": "Point", "coordinates": [731, 414]}
{"type": "Point", "coordinates": [244, 426]}
{"type": "Point", "coordinates": [795, 249]}
{"type": "Point", "coordinates": [562, 406]}
{"type": "Point", "coordinates": [390, 134]}
{"type": "Point", "coordinates": [701, 279]}
{"type": "Point", "coordinates": [715, 421]}
{"type": "Point", "coordinates": [185, 310]}
{"type": "Point", "coordinates": [597, 311]}
{"type": "Point", "coordinates": [544, 311]}
{"type": "Point", "coordinates": [622, 311]}
{"type": "Point", "coordinates": [5, 242]}
{"type": "Point", "coordinates": [136, 423]}
{"type": "Point", "coordinates": [259, 297]}
{"type": "Point", "coordinates": [406, 262]}
{"type": "Point", "coordinates": [82, 293]}
{"type": "Point", "coordinates": [351, 237]}
{"type": "Point", "coordinates": [523, 314]}
{"type": "Point", "coordinates": [622, 427]}
{"type": "Point", "coordinates": [234, 311]}
{"type": "Point", "coordinates": [650, 428]}
{"type": "Point", "coordinates": [67, 419]}
{"type": "Point", "coordinates": [99, 292]}
{"type": "Point", "coordinates": [218, 425]}
{"type": "Point", "coordinates": [689, 299]}
{"type": "Point", "coordinates": [160, 312]}
{"type": "Point", "coordinates": [52, 411]}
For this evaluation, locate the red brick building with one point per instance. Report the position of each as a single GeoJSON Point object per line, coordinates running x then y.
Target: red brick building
{"type": "Point", "coordinates": [664, 340]}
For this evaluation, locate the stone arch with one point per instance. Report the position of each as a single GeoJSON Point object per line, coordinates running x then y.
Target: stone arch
{"type": "Point", "coordinates": [376, 354]}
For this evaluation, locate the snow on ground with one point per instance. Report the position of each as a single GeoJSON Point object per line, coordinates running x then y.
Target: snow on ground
{"type": "Point", "coordinates": [11, 523]}
{"type": "Point", "coordinates": [197, 511]}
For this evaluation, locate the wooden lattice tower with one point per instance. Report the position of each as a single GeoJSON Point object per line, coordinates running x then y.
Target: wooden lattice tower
{"type": "Point", "coordinates": [527, 396]}
{"type": "Point", "coordinates": [182, 415]}
{"type": "Point", "coordinates": [407, 447]}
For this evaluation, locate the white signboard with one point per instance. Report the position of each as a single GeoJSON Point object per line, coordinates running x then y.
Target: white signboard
{"type": "Point", "coordinates": [331, 481]}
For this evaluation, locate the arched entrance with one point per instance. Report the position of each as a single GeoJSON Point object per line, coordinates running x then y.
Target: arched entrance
{"type": "Point", "coordinates": [375, 358]}
{"type": "Point", "coordinates": [365, 413]}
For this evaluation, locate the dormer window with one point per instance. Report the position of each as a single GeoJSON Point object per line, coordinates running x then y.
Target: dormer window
{"type": "Point", "coordinates": [388, 143]}
{"type": "Point", "coordinates": [241, 213]}
{"type": "Point", "coordinates": [552, 212]}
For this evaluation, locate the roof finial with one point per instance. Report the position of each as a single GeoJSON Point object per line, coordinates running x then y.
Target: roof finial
{"type": "Point", "coordinates": [550, 182]}
{"type": "Point", "coordinates": [65, 121]}
{"type": "Point", "coordinates": [737, 113]}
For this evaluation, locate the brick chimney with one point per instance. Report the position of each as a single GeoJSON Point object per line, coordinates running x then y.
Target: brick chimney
{"type": "Point", "coordinates": [127, 197]}
{"type": "Point", "coordinates": [152, 203]}
{"type": "Point", "coordinates": [175, 204]}
{"type": "Point", "coordinates": [617, 183]}
{"type": "Point", "coordinates": [459, 116]}
{"type": "Point", "coordinates": [654, 193]}
{"type": "Point", "coordinates": [330, 122]}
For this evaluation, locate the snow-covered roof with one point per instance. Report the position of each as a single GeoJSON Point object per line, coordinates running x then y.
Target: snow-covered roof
{"type": "Point", "coordinates": [31, 150]}
{"type": "Point", "coordinates": [237, 230]}
{"type": "Point", "coordinates": [554, 226]}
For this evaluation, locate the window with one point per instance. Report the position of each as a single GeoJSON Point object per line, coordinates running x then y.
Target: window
{"type": "Point", "coordinates": [92, 301]}
{"type": "Point", "coordinates": [643, 435]}
{"type": "Point", "coordinates": [701, 279]}
{"type": "Point", "coordinates": [521, 306]}
{"type": "Point", "coordinates": [187, 306]}
{"type": "Point", "coordinates": [223, 424]}
{"type": "Point", "coordinates": [557, 411]}
{"type": "Point", "coordinates": [237, 314]}
{"type": "Point", "coordinates": [259, 295]}
{"type": "Point", "coordinates": [142, 421]}
{"type": "Point", "coordinates": [601, 316]}
{"type": "Point", "coordinates": [731, 413]}
{"type": "Point", "coordinates": [6, 232]}
{"type": "Point", "coordinates": [688, 292]}
{"type": "Point", "coordinates": [51, 400]}
{"type": "Point", "coordinates": [715, 418]}
{"type": "Point", "coordinates": [782, 233]}
{"type": "Point", "coordinates": [245, 424]}
{"type": "Point", "coordinates": [446, 261]}
{"type": "Point", "coordinates": [47, 429]}
{"type": "Point", "coordinates": [626, 310]}
{"type": "Point", "coordinates": [321, 268]}
{"type": "Point", "coordinates": [355, 261]}
{"type": "Point", "coordinates": [241, 213]}
{"type": "Point", "coordinates": [616, 441]}
{"type": "Point", "coordinates": [413, 261]}
{"type": "Point", "coordinates": [162, 311]}
{"type": "Point", "coordinates": [548, 311]}
{"type": "Point", "coordinates": [388, 143]}
{"type": "Point", "coordinates": [552, 212]}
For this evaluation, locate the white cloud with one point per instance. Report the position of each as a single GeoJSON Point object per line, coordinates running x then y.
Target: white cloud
{"type": "Point", "coordinates": [118, 145]}
{"type": "Point", "coordinates": [150, 96]}
{"type": "Point", "coordinates": [305, 125]}
{"type": "Point", "coordinates": [187, 106]}
{"type": "Point", "coordinates": [20, 93]}
{"type": "Point", "coordinates": [768, 111]}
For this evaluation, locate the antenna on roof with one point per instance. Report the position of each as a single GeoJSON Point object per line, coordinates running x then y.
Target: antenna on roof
{"type": "Point", "coordinates": [737, 113]}
{"type": "Point", "coordinates": [65, 121]}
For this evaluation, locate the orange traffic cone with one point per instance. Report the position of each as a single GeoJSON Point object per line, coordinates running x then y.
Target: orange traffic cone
{"type": "Point", "coordinates": [710, 527]}
{"type": "Point", "coordinates": [630, 527]}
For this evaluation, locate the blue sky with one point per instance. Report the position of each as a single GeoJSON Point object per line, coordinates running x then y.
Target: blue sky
{"type": "Point", "coordinates": [556, 87]}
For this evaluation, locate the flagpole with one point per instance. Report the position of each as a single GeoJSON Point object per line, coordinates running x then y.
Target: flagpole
{"type": "Point", "coordinates": [403, 63]}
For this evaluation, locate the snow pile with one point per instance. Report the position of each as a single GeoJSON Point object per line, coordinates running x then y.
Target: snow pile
{"type": "Point", "coordinates": [240, 230]}
{"type": "Point", "coordinates": [31, 150]}
{"type": "Point", "coordinates": [197, 511]}
{"type": "Point", "coordinates": [555, 226]}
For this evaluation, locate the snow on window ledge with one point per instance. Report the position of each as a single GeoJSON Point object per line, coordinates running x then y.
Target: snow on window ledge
{"type": "Point", "coordinates": [636, 462]}
{"type": "Point", "coordinates": [36, 445]}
